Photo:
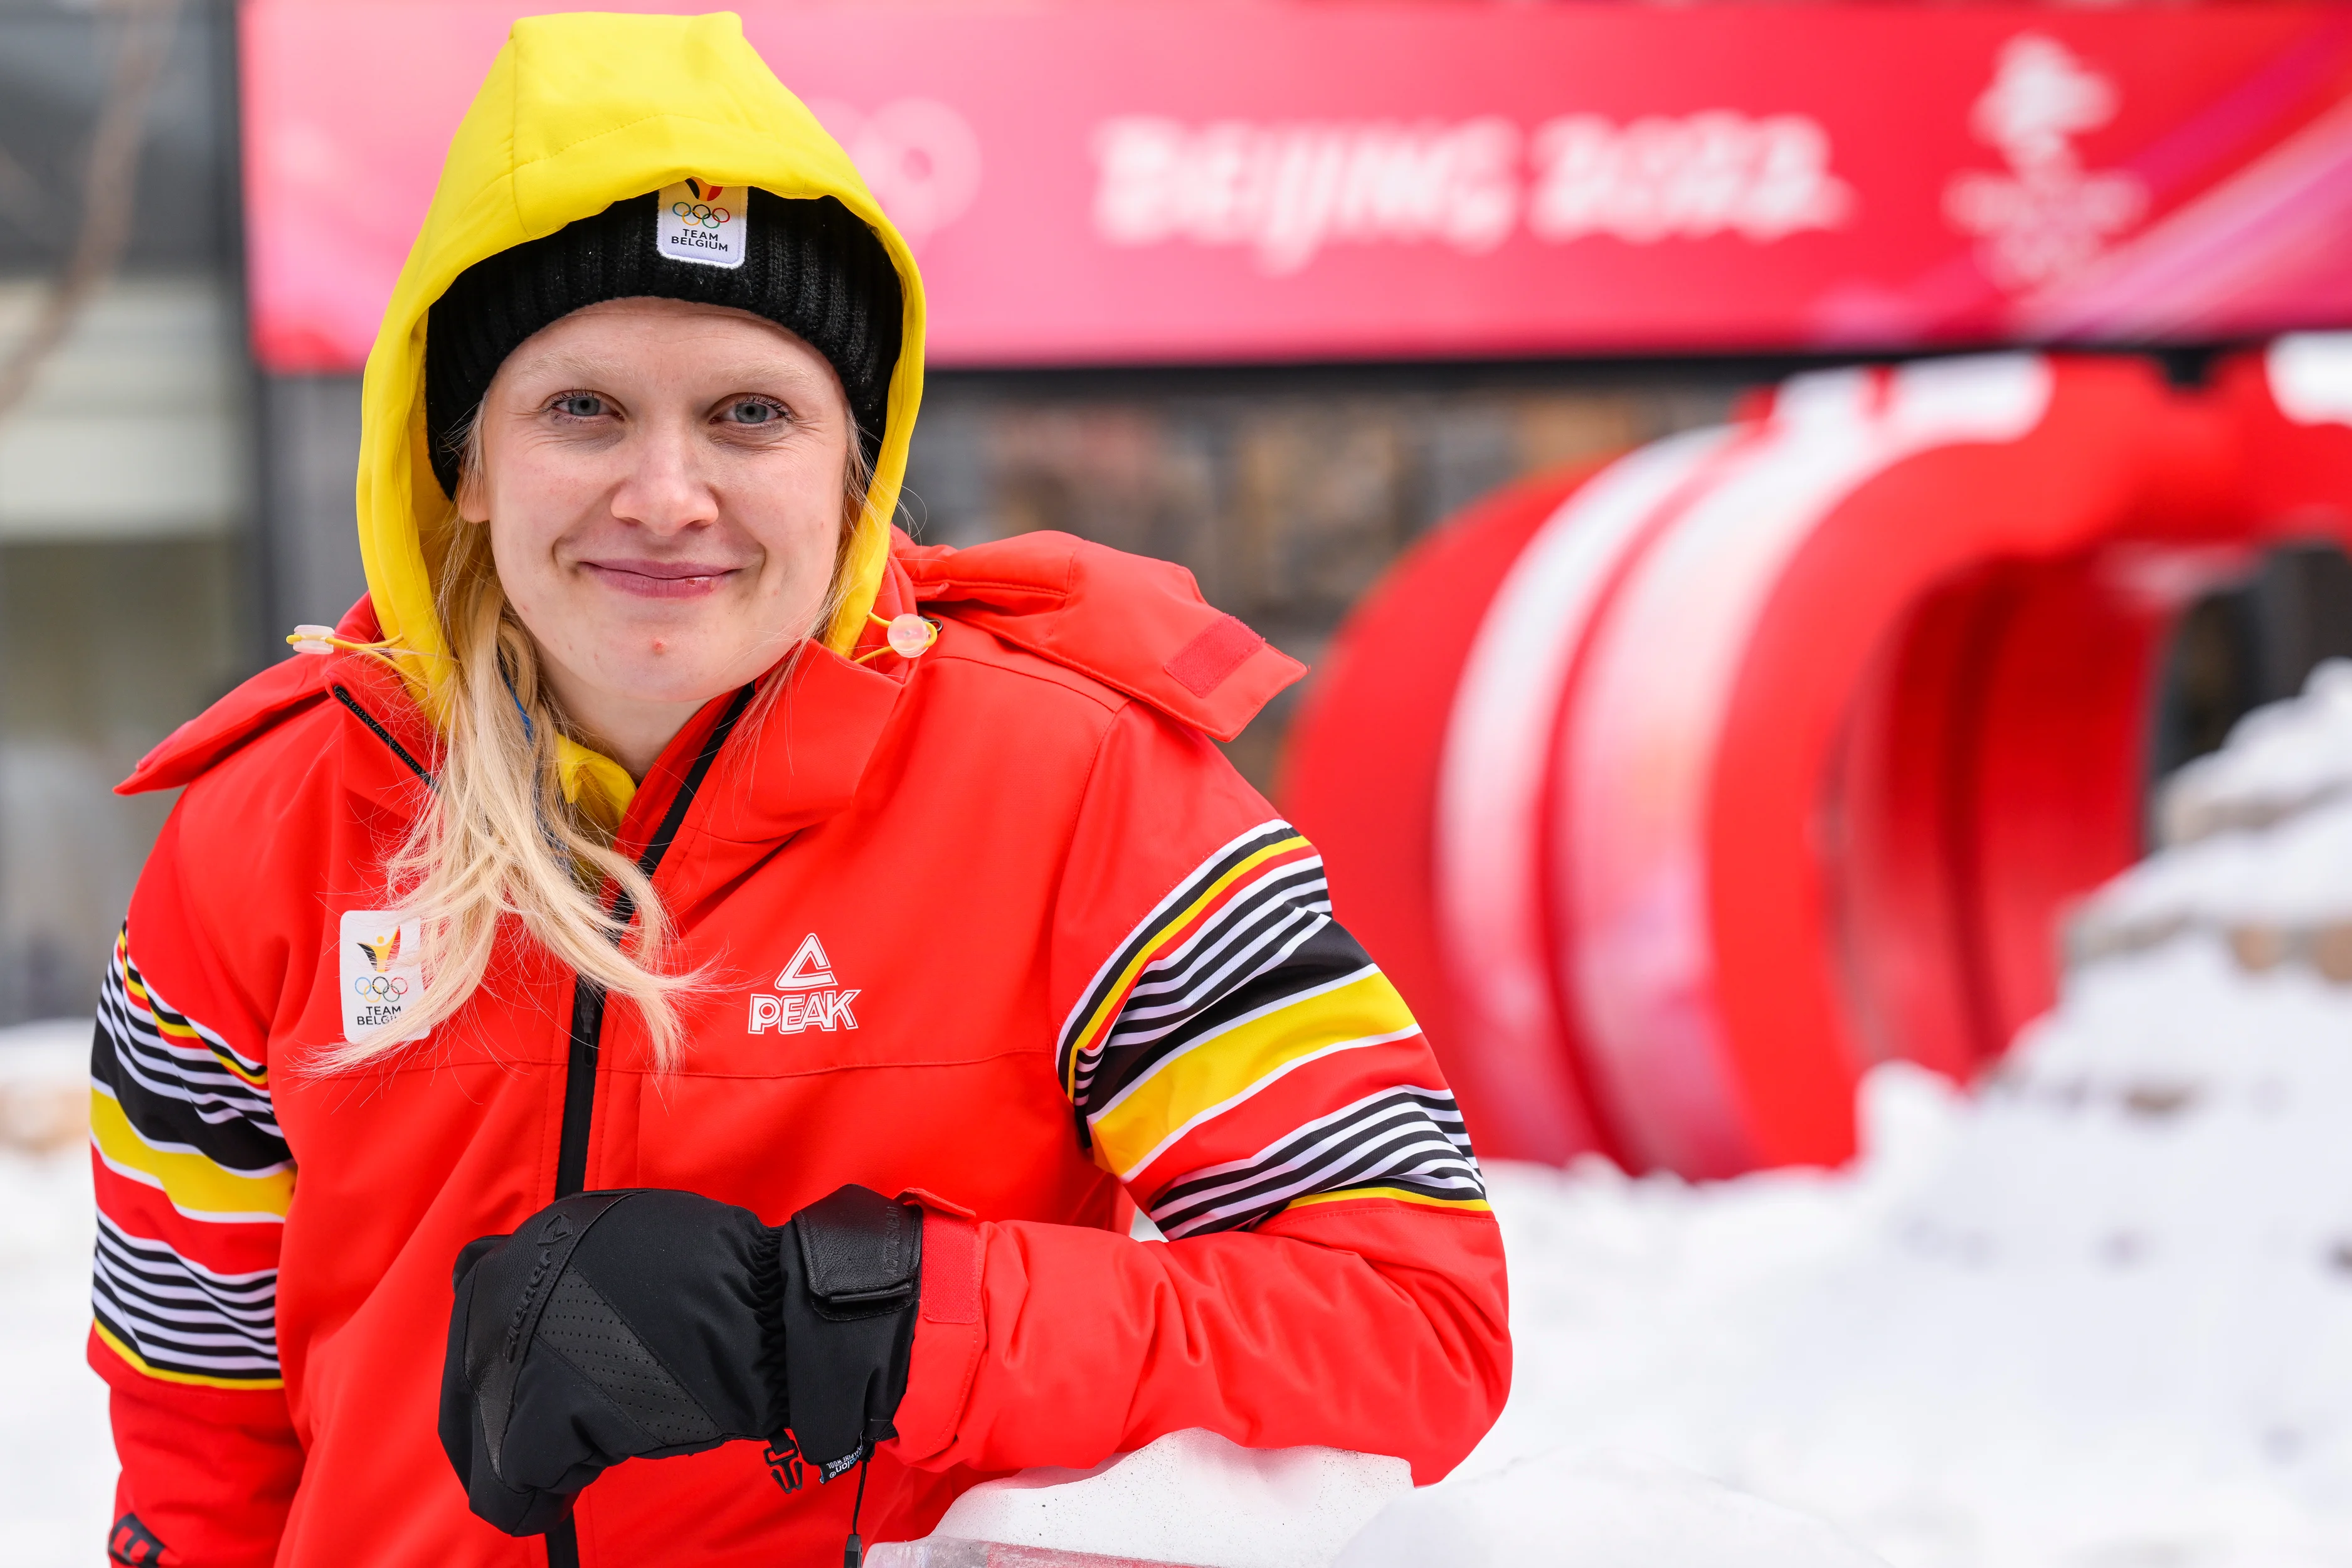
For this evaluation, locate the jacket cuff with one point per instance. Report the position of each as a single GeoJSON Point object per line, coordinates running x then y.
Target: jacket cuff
{"type": "Point", "coordinates": [949, 1336]}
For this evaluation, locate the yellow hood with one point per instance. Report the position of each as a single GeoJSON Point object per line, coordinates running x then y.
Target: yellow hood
{"type": "Point", "coordinates": [580, 112]}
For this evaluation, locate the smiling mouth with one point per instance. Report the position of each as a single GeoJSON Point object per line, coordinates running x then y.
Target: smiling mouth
{"type": "Point", "coordinates": [659, 579]}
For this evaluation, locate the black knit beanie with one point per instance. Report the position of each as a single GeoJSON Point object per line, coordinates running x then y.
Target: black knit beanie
{"type": "Point", "coordinates": [811, 267]}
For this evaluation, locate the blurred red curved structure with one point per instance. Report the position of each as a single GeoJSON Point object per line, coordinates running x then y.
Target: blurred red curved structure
{"type": "Point", "coordinates": [1677, 793]}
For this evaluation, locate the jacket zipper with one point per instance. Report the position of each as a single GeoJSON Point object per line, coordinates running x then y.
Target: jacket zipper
{"type": "Point", "coordinates": [343, 694]}
{"type": "Point", "coordinates": [587, 1000]}
{"type": "Point", "coordinates": [587, 1035]}
{"type": "Point", "coordinates": [588, 997]}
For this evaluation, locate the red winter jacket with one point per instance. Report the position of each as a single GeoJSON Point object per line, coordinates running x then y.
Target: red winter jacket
{"type": "Point", "coordinates": [998, 925]}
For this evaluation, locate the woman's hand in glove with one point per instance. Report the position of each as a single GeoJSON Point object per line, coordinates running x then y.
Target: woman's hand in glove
{"type": "Point", "coordinates": [648, 1323]}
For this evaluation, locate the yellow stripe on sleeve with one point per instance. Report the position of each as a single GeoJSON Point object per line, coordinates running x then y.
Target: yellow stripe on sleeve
{"type": "Point", "coordinates": [1479, 1205]}
{"type": "Point", "coordinates": [1117, 998]}
{"type": "Point", "coordinates": [196, 1186]}
{"type": "Point", "coordinates": [228, 1058]}
{"type": "Point", "coordinates": [1220, 1068]}
{"type": "Point", "coordinates": [136, 989]}
{"type": "Point", "coordinates": [220, 1052]}
{"type": "Point", "coordinates": [140, 1364]}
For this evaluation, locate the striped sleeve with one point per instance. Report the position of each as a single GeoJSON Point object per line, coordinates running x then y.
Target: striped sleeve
{"type": "Point", "coordinates": [1238, 1054]}
{"type": "Point", "coordinates": [194, 1178]}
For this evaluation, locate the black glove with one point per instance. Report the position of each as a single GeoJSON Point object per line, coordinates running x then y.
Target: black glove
{"type": "Point", "coordinates": [647, 1323]}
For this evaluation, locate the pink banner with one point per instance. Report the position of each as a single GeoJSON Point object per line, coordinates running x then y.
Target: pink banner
{"type": "Point", "coordinates": [1150, 184]}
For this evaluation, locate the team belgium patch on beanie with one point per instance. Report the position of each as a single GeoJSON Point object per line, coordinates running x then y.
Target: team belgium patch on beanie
{"type": "Point", "coordinates": [709, 225]}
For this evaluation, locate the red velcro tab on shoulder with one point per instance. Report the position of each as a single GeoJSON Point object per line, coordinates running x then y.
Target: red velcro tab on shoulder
{"type": "Point", "coordinates": [1136, 625]}
{"type": "Point", "coordinates": [1202, 665]}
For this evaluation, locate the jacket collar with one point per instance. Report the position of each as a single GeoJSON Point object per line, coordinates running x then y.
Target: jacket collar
{"type": "Point", "coordinates": [794, 760]}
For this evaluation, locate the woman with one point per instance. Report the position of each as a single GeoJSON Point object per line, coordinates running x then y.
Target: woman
{"type": "Point", "coordinates": [752, 956]}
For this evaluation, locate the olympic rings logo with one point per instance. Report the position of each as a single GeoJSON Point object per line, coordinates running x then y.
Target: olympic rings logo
{"type": "Point", "coordinates": [382, 987]}
{"type": "Point", "coordinates": [695, 212]}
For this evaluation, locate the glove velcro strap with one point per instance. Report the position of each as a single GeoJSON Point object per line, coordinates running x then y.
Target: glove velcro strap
{"type": "Point", "coordinates": [853, 1272]}
{"type": "Point", "coordinates": [861, 1253]}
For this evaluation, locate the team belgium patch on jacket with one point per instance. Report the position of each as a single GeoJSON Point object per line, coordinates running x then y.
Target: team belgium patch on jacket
{"type": "Point", "coordinates": [809, 995]}
{"type": "Point", "coordinates": [383, 965]}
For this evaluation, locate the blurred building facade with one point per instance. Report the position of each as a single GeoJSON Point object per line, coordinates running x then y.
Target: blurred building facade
{"type": "Point", "coordinates": [126, 506]}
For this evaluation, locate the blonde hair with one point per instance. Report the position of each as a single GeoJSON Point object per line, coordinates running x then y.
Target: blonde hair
{"type": "Point", "coordinates": [498, 843]}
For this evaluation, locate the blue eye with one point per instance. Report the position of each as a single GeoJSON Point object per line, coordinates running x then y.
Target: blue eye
{"type": "Point", "coordinates": [753, 411]}
{"type": "Point", "coordinates": [579, 406]}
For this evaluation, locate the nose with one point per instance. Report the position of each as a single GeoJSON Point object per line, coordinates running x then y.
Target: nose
{"type": "Point", "coordinates": [665, 490]}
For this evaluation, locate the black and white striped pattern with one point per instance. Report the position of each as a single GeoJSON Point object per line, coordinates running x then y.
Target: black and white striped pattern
{"type": "Point", "coordinates": [1081, 1029]}
{"type": "Point", "coordinates": [182, 1319]}
{"type": "Point", "coordinates": [1272, 937]}
{"type": "Point", "coordinates": [1253, 934]}
{"type": "Point", "coordinates": [1407, 1137]}
{"type": "Point", "coordinates": [174, 1076]}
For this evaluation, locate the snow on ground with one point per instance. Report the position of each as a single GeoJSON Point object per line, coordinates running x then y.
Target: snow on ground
{"type": "Point", "coordinates": [2099, 1317]}
{"type": "Point", "coordinates": [57, 1462]}
{"type": "Point", "coordinates": [2102, 1320]}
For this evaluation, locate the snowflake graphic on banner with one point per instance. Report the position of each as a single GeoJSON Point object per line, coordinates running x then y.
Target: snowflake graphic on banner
{"type": "Point", "coordinates": [2047, 216]}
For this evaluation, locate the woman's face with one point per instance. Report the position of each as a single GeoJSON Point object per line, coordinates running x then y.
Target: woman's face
{"type": "Point", "coordinates": [663, 486]}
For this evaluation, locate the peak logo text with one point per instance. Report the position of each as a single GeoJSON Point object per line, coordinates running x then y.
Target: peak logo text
{"type": "Point", "coordinates": [808, 995]}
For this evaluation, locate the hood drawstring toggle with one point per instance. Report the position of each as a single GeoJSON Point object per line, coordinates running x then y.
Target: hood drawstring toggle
{"type": "Point", "coordinates": [322, 640]}
{"type": "Point", "coordinates": [909, 636]}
